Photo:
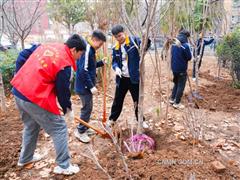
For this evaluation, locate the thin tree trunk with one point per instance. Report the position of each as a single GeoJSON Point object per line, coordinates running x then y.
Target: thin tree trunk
{"type": "Point", "coordinates": [69, 27]}
{"type": "Point", "coordinates": [22, 43]}
{"type": "Point", "coordinates": [149, 21]}
{"type": "Point", "coordinates": [141, 93]}
{"type": "Point", "coordinates": [169, 60]}
{"type": "Point", "coordinates": [2, 25]}
{"type": "Point", "coordinates": [2, 94]}
{"type": "Point", "coordinates": [204, 15]}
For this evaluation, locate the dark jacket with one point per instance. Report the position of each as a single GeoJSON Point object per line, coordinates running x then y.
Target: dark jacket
{"type": "Point", "coordinates": [62, 80]}
{"type": "Point", "coordinates": [23, 56]}
{"type": "Point", "coordinates": [199, 43]}
{"type": "Point", "coordinates": [86, 71]}
{"type": "Point", "coordinates": [133, 59]}
{"type": "Point", "coordinates": [180, 55]}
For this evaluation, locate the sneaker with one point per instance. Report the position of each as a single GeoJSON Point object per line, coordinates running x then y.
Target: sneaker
{"type": "Point", "coordinates": [178, 106]}
{"type": "Point", "coordinates": [83, 137]}
{"type": "Point", "coordinates": [36, 157]}
{"type": "Point", "coordinates": [171, 101]}
{"type": "Point", "coordinates": [145, 125]}
{"type": "Point", "coordinates": [72, 169]}
{"type": "Point", "coordinates": [110, 123]}
{"type": "Point", "coordinates": [91, 132]}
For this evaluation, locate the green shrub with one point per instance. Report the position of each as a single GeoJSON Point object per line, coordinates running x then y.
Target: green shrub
{"type": "Point", "coordinates": [7, 67]}
{"type": "Point", "coordinates": [228, 52]}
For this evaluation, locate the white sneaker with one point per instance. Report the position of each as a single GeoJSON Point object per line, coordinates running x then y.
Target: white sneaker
{"type": "Point", "coordinates": [83, 137]}
{"type": "Point", "coordinates": [91, 132]}
{"type": "Point", "coordinates": [171, 101]}
{"type": "Point", "coordinates": [178, 106]}
{"type": "Point", "coordinates": [36, 157]}
{"type": "Point", "coordinates": [110, 123]}
{"type": "Point", "coordinates": [72, 169]}
{"type": "Point", "coordinates": [145, 125]}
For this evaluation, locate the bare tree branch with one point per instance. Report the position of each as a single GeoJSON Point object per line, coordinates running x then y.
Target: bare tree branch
{"type": "Point", "coordinates": [21, 20]}
{"type": "Point", "coordinates": [118, 149]}
{"type": "Point", "coordinates": [94, 158]}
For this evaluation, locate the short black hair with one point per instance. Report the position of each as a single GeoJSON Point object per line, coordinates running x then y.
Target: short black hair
{"type": "Point", "coordinates": [76, 41]}
{"type": "Point", "coordinates": [99, 35]}
{"type": "Point", "coordinates": [117, 29]}
{"type": "Point", "coordinates": [185, 32]}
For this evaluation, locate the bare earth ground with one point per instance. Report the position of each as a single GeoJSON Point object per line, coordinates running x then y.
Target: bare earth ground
{"type": "Point", "coordinates": [176, 156]}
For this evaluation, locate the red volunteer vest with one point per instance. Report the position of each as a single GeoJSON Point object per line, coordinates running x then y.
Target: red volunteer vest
{"type": "Point", "coordinates": [36, 79]}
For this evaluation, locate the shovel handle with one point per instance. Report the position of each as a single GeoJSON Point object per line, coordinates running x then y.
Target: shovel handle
{"type": "Point", "coordinates": [88, 125]}
{"type": "Point", "coordinates": [104, 84]}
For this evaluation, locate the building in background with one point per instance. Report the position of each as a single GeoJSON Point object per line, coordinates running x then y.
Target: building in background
{"type": "Point", "coordinates": [232, 8]}
{"type": "Point", "coordinates": [235, 16]}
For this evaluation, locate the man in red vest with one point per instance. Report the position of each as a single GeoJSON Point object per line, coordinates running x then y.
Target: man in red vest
{"type": "Point", "coordinates": [43, 79]}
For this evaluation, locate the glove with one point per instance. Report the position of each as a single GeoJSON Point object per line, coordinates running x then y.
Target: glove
{"type": "Point", "coordinates": [104, 60]}
{"type": "Point", "coordinates": [69, 115]}
{"type": "Point", "coordinates": [177, 42]}
{"type": "Point", "coordinates": [94, 90]}
{"type": "Point", "coordinates": [118, 72]}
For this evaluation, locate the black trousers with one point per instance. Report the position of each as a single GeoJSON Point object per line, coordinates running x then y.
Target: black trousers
{"type": "Point", "coordinates": [120, 93]}
{"type": "Point", "coordinates": [179, 80]}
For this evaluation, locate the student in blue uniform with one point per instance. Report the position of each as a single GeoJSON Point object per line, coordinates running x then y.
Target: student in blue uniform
{"type": "Point", "coordinates": [85, 84]}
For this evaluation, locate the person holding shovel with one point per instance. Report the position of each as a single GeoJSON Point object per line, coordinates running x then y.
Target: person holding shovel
{"type": "Point", "coordinates": [180, 55]}
{"type": "Point", "coordinates": [125, 63]}
{"type": "Point", "coordinates": [199, 51]}
{"type": "Point", "coordinates": [43, 77]}
{"type": "Point", "coordinates": [85, 83]}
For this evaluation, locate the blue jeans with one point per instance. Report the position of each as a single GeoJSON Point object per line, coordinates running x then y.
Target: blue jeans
{"type": "Point", "coordinates": [86, 110]}
{"type": "Point", "coordinates": [34, 118]}
{"type": "Point", "coordinates": [179, 80]}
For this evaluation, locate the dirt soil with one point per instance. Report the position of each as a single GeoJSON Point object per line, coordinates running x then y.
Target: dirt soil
{"type": "Point", "coordinates": [10, 134]}
{"type": "Point", "coordinates": [176, 155]}
{"type": "Point", "coordinates": [220, 95]}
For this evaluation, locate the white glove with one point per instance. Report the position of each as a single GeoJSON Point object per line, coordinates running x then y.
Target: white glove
{"type": "Point", "coordinates": [104, 60]}
{"type": "Point", "coordinates": [69, 115]}
{"type": "Point", "coordinates": [118, 72]}
{"type": "Point", "coordinates": [177, 42]}
{"type": "Point", "coordinates": [94, 90]}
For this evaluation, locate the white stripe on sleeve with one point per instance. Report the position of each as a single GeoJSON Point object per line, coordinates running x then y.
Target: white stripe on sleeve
{"type": "Point", "coordinates": [86, 57]}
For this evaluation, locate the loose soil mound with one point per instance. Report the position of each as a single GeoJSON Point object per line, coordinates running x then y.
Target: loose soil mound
{"type": "Point", "coordinates": [219, 96]}
{"type": "Point", "coordinates": [10, 139]}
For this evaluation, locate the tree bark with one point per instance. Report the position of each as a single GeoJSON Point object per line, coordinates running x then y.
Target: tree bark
{"type": "Point", "coordinates": [22, 43]}
{"type": "Point", "coordinates": [2, 94]}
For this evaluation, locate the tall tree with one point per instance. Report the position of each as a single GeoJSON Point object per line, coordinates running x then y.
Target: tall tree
{"type": "Point", "coordinates": [67, 12]}
{"type": "Point", "coordinates": [20, 16]}
{"type": "Point", "coordinates": [101, 19]}
{"type": "Point", "coordinates": [10, 32]}
{"type": "Point", "coordinates": [1, 21]}
{"type": "Point", "coordinates": [140, 18]}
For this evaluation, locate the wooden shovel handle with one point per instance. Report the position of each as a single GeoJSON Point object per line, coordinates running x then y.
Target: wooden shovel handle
{"type": "Point", "coordinates": [104, 85]}
{"type": "Point", "coordinates": [88, 125]}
